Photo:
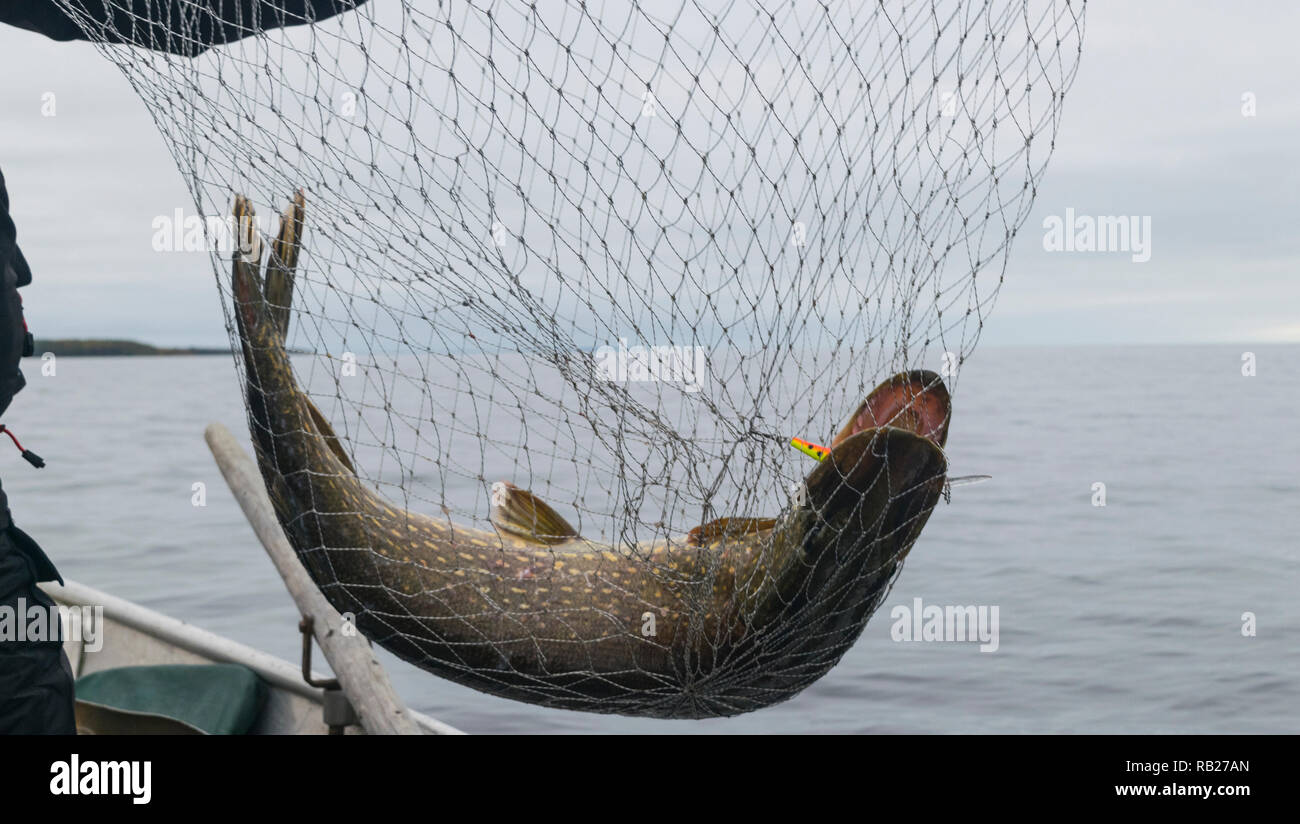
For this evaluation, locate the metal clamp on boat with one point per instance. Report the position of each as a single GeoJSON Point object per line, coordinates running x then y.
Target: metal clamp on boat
{"type": "Point", "coordinates": [338, 710]}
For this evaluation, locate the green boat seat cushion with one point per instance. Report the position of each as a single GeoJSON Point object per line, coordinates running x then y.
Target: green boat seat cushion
{"type": "Point", "coordinates": [218, 699]}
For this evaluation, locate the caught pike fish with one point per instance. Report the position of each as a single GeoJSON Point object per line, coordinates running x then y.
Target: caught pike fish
{"type": "Point", "coordinates": [738, 614]}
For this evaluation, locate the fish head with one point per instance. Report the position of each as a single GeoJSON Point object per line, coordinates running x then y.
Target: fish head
{"type": "Point", "coordinates": [883, 474]}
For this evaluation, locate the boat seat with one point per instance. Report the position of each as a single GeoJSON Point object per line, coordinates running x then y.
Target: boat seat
{"type": "Point", "coordinates": [213, 699]}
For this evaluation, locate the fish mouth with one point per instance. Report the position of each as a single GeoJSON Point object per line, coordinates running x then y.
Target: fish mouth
{"type": "Point", "coordinates": [916, 401]}
{"type": "Point", "coordinates": [885, 469]}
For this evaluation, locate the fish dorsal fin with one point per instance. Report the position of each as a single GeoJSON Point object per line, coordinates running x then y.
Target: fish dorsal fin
{"type": "Point", "coordinates": [523, 514]}
{"type": "Point", "coordinates": [326, 431]}
{"type": "Point", "coordinates": [722, 528]}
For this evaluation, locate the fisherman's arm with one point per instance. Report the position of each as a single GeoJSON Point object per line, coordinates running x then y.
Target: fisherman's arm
{"type": "Point", "coordinates": [182, 27]}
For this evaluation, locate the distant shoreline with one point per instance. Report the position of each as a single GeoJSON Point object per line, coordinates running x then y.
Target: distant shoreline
{"type": "Point", "coordinates": [87, 348]}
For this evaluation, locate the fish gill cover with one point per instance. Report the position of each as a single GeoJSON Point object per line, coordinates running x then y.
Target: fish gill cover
{"type": "Point", "coordinates": [564, 280]}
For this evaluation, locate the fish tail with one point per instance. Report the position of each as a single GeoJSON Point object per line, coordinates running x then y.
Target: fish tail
{"type": "Point", "coordinates": [246, 278]}
{"type": "Point", "coordinates": [283, 263]}
{"type": "Point", "coordinates": [278, 407]}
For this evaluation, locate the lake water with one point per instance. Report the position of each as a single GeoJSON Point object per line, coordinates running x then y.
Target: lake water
{"type": "Point", "coordinates": [1122, 618]}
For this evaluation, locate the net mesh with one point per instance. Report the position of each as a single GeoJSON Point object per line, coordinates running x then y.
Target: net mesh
{"type": "Point", "coordinates": [616, 253]}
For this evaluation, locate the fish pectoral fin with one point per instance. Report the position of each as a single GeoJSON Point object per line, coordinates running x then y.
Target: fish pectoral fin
{"type": "Point", "coordinates": [282, 263]}
{"type": "Point", "coordinates": [721, 528]}
{"type": "Point", "coordinates": [523, 514]}
{"type": "Point", "coordinates": [326, 431]}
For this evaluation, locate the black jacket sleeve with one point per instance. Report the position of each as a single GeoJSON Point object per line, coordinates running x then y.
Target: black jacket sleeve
{"type": "Point", "coordinates": [182, 27]}
{"type": "Point", "coordinates": [13, 274]}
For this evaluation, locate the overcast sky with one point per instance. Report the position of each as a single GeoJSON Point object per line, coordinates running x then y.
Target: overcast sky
{"type": "Point", "coordinates": [1153, 127]}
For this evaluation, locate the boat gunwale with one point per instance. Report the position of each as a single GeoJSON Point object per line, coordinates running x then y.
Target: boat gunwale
{"type": "Point", "coordinates": [277, 672]}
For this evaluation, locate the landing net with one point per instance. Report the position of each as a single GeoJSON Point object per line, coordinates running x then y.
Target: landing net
{"type": "Point", "coordinates": [616, 253]}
